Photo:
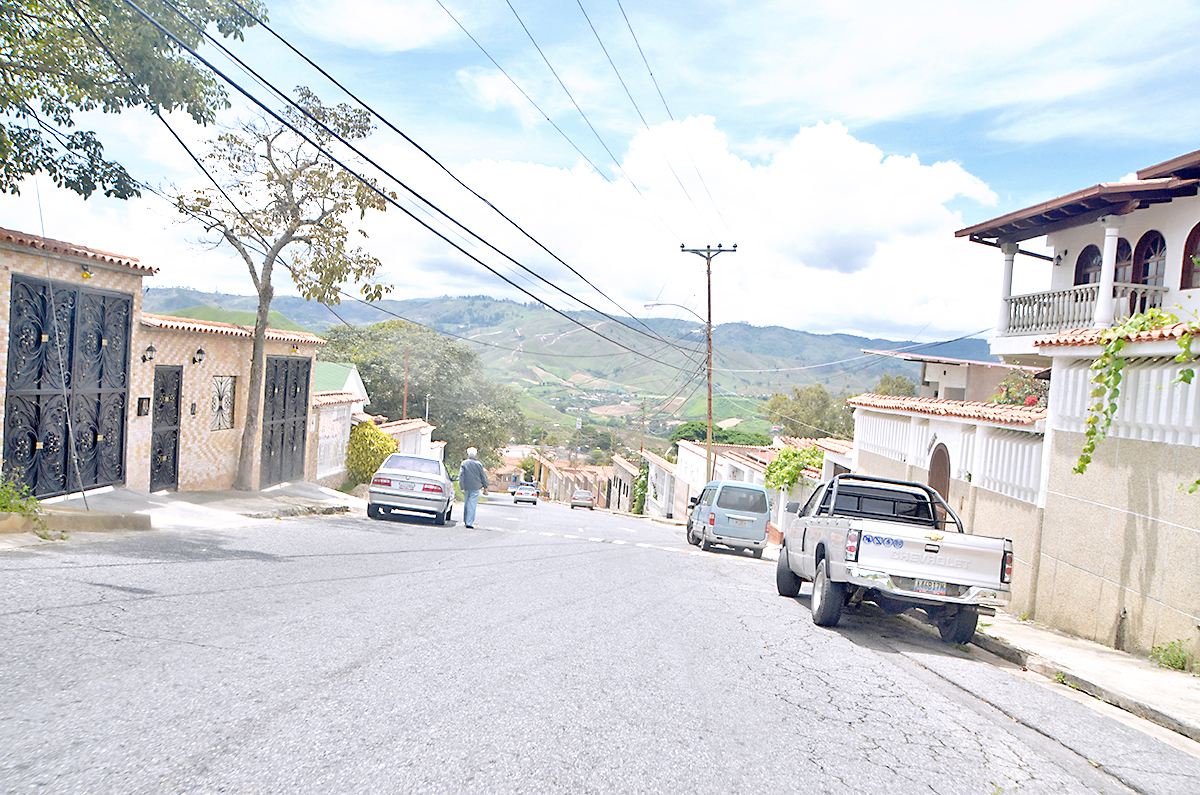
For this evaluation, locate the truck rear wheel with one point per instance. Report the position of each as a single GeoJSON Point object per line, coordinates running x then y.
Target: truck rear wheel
{"type": "Point", "coordinates": [786, 581]}
{"type": "Point", "coordinates": [827, 597]}
{"type": "Point", "coordinates": [959, 627]}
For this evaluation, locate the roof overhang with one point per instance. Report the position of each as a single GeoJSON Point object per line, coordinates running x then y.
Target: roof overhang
{"type": "Point", "coordinates": [1091, 204]}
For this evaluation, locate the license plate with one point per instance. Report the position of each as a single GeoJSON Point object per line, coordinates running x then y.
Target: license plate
{"type": "Point", "coordinates": [930, 587]}
{"type": "Point", "coordinates": [407, 486]}
{"type": "Point", "coordinates": [739, 522]}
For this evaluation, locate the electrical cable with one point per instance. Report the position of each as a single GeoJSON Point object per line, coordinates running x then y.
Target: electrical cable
{"type": "Point", "coordinates": [368, 184]}
{"type": "Point", "coordinates": [587, 121]}
{"type": "Point", "coordinates": [252, 73]}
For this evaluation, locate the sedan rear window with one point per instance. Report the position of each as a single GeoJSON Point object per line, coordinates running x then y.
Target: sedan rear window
{"type": "Point", "coordinates": [733, 498]}
{"type": "Point", "coordinates": [426, 466]}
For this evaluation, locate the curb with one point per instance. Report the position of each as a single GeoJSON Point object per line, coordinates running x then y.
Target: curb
{"type": "Point", "coordinates": [299, 510]}
{"type": "Point", "coordinates": [1051, 670]}
{"type": "Point", "coordinates": [69, 521]}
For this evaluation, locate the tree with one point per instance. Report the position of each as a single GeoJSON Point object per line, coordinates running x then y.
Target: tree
{"type": "Point", "coordinates": [897, 385]}
{"type": "Point", "coordinates": [697, 431]}
{"type": "Point", "coordinates": [785, 469]}
{"type": "Point", "coordinates": [53, 64]}
{"type": "Point", "coordinates": [811, 412]}
{"type": "Point", "coordinates": [301, 197]}
{"type": "Point", "coordinates": [469, 409]}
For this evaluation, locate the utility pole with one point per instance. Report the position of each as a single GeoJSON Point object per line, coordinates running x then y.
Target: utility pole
{"type": "Point", "coordinates": [708, 253]}
{"type": "Point", "coordinates": [642, 443]}
{"type": "Point", "coordinates": [427, 408]}
{"type": "Point", "coordinates": [406, 382]}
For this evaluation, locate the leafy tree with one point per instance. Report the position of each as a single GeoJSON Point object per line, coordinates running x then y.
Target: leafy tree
{"type": "Point", "coordinates": [638, 495]}
{"type": "Point", "coordinates": [1019, 388]}
{"type": "Point", "coordinates": [53, 64]}
{"type": "Point", "coordinates": [468, 409]}
{"type": "Point", "coordinates": [302, 197]}
{"type": "Point", "coordinates": [897, 385]}
{"type": "Point", "coordinates": [811, 412]}
{"type": "Point", "coordinates": [785, 469]}
{"type": "Point", "coordinates": [697, 431]}
{"type": "Point", "coordinates": [529, 467]}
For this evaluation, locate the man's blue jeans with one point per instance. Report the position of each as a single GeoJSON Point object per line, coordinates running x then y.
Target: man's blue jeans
{"type": "Point", "coordinates": [472, 499]}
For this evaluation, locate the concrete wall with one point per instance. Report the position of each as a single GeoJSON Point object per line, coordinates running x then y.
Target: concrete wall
{"type": "Point", "coordinates": [1110, 572]}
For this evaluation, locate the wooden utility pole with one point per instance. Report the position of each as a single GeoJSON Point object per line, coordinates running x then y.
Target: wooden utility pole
{"type": "Point", "coordinates": [405, 382]}
{"type": "Point", "coordinates": [708, 253]}
{"type": "Point", "coordinates": [642, 443]}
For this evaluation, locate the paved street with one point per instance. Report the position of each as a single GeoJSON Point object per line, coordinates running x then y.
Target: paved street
{"type": "Point", "coordinates": [545, 650]}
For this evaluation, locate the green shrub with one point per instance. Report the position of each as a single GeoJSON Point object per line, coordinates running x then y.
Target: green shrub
{"type": "Point", "coordinates": [1171, 655]}
{"type": "Point", "coordinates": [15, 498]}
{"type": "Point", "coordinates": [638, 497]}
{"type": "Point", "coordinates": [367, 449]}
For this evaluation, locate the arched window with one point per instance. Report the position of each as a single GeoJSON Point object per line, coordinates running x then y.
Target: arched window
{"type": "Point", "coordinates": [1190, 279]}
{"type": "Point", "coordinates": [1150, 259]}
{"type": "Point", "coordinates": [1124, 269]}
{"type": "Point", "coordinates": [1087, 267]}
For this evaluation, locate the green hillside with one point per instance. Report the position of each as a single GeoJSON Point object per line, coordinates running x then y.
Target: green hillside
{"type": "Point", "coordinates": [241, 318]}
{"type": "Point", "coordinates": [563, 369]}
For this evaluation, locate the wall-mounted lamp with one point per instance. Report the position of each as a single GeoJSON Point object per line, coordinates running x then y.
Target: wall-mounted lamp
{"type": "Point", "coordinates": [1060, 257]}
{"type": "Point", "coordinates": [150, 353]}
{"type": "Point", "coordinates": [199, 357]}
{"type": "Point", "coordinates": [87, 271]}
{"type": "Point", "coordinates": [295, 349]}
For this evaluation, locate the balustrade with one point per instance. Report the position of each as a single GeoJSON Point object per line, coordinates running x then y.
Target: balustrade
{"type": "Point", "coordinates": [1061, 310]}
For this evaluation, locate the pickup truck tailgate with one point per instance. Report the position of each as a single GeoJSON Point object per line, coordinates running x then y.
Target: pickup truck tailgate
{"type": "Point", "coordinates": [935, 556]}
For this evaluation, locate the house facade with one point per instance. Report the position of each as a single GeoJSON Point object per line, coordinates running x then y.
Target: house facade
{"type": "Point", "coordinates": [98, 393]}
{"type": "Point", "coordinates": [1113, 554]}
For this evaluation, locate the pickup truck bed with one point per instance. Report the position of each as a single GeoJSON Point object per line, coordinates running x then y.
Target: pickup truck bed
{"type": "Point", "coordinates": [895, 543]}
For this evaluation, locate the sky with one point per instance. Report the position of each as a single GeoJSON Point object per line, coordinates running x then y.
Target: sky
{"type": "Point", "coordinates": [839, 145]}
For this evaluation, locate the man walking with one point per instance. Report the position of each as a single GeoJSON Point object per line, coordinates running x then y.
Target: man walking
{"type": "Point", "coordinates": [472, 479]}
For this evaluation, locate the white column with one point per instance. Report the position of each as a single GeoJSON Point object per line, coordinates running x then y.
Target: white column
{"type": "Point", "coordinates": [1105, 308]}
{"type": "Point", "coordinates": [1010, 252]}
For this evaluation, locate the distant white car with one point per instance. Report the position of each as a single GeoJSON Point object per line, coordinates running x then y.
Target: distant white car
{"type": "Point", "coordinates": [526, 493]}
{"type": "Point", "coordinates": [583, 499]}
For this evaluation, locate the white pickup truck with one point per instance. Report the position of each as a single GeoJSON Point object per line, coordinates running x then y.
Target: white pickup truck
{"type": "Point", "coordinates": [897, 544]}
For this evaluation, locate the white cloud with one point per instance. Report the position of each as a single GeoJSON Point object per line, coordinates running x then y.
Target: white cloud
{"type": "Point", "coordinates": [380, 26]}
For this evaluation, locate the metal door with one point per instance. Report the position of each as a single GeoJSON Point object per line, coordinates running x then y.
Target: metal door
{"type": "Point", "coordinates": [285, 419]}
{"type": "Point", "coordinates": [164, 434]}
{"type": "Point", "coordinates": [67, 386]}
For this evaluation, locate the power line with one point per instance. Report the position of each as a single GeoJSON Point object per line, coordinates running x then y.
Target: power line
{"type": "Point", "coordinates": [252, 73]}
{"type": "Point", "coordinates": [587, 121]}
{"type": "Point", "coordinates": [369, 185]}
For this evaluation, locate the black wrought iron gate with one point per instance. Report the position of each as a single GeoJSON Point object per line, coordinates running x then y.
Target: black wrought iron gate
{"type": "Point", "coordinates": [164, 434]}
{"type": "Point", "coordinates": [68, 356]}
{"type": "Point", "coordinates": [285, 419]}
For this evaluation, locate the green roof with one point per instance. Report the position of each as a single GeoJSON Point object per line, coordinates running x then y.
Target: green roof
{"type": "Point", "coordinates": [330, 376]}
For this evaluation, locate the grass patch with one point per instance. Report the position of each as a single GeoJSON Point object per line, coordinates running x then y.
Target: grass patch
{"type": "Point", "coordinates": [1172, 655]}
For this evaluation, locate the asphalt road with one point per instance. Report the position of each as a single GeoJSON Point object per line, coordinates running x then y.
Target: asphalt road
{"type": "Point", "coordinates": [544, 650]}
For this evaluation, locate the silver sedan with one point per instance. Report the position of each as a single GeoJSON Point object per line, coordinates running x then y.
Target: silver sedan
{"type": "Point", "coordinates": [411, 484]}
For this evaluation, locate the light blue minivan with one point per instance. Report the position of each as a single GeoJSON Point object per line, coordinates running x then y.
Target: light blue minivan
{"type": "Point", "coordinates": [731, 513]}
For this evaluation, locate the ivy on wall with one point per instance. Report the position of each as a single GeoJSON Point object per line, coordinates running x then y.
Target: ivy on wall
{"type": "Point", "coordinates": [785, 469]}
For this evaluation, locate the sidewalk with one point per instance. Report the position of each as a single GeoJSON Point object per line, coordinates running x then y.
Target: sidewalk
{"type": "Point", "coordinates": [124, 510]}
{"type": "Point", "coordinates": [1168, 698]}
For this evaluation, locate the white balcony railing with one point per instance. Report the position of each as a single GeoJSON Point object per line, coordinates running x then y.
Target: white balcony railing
{"type": "Point", "coordinates": [1060, 310]}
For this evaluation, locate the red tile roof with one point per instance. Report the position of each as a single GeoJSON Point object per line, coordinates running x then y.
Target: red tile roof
{"type": "Point", "coordinates": [334, 398]}
{"type": "Point", "coordinates": [1092, 336]}
{"type": "Point", "coordinates": [624, 464]}
{"type": "Point", "coordinates": [827, 443]}
{"type": "Point", "coordinates": [225, 329]}
{"type": "Point", "coordinates": [965, 409]}
{"type": "Point", "coordinates": [404, 426]}
{"type": "Point", "coordinates": [658, 461]}
{"type": "Point", "coordinates": [59, 247]}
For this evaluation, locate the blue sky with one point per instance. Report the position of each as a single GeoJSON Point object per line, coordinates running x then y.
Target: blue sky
{"type": "Point", "coordinates": [838, 144]}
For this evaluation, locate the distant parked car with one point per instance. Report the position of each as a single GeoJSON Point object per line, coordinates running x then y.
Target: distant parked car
{"type": "Point", "coordinates": [526, 492]}
{"type": "Point", "coordinates": [583, 499]}
{"type": "Point", "coordinates": [411, 484]}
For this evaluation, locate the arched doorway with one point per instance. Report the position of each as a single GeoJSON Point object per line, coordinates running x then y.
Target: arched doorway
{"type": "Point", "coordinates": [939, 471]}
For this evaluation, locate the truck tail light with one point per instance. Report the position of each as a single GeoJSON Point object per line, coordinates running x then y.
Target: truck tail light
{"type": "Point", "coordinates": [712, 520]}
{"type": "Point", "coordinates": [381, 482]}
{"type": "Point", "coordinates": [432, 487]}
{"type": "Point", "coordinates": [1006, 567]}
{"type": "Point", "coordinates": [852, 544]}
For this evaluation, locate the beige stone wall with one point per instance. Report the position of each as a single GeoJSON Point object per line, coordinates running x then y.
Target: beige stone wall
{"type": "Point", "coordinates": [208, 459]}
{"type": "Point", "coordinates": [1110, 572]}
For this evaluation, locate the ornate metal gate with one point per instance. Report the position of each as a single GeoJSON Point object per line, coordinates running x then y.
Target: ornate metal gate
{"type": "Point", "coordinates": [68, 355]}
{"type": "Point", "coordinates": [164, 434]}
{"type": "Point", "coordinates": [285, 419]}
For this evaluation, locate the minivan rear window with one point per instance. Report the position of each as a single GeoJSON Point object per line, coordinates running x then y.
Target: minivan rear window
{"type": "Point", "coordinates": [425, 466]}
{"type": "Point", "coordinates": [735, 498]}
